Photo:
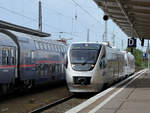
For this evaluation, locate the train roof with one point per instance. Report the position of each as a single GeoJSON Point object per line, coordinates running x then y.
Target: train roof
{"type": "Point", "coordinates": [27, 37]}
{"type": "Point", "coordinates": [5, 40]}
{"type": "Point", "coordinates": [87, 43]}
{"type": "Point", "coordinates": [101, 43]}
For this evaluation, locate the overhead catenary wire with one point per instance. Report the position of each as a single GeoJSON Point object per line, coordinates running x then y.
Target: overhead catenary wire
{"type": "Point", "coordinates": [71, 18]}
{"type": "Point", "coordinates": [35, 20]}
{"type": "Point", "coordinates": [86, 11]}
{"type": "Point", "coordinates": [53, 27]}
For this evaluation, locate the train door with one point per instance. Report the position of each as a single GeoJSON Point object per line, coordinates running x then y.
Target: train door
{"type": "Point", "coordinates": [8, 68]}
{"type": "Point", "coordinates": [120, 65]}
{"type": "Point", "coordinates": [13, 60]}
{"type": "Point", "coordinates": [33, 61]}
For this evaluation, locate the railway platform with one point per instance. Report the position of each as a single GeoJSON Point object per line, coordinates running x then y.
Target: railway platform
{"type": "Point", "coordinates": [132, 95]}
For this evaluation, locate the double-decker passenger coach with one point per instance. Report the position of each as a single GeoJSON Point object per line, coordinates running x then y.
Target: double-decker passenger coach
{"type": "Point", "coordinates": [27, 61]}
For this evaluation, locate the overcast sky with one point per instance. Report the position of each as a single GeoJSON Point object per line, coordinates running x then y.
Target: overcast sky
{"type": "Point", "coordinates": [73, 19]}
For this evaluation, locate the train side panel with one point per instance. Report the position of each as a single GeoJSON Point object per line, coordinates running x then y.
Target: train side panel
{"type": "Point", "coordinates": [41, 65]}
{"type": "Point", "coordinates": [7, 60]}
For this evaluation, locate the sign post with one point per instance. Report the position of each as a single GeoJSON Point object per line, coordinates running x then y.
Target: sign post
{"type": "Point", "coordinates": [148, 54]}
{"type": "Point", "coordinates": [131, 43]}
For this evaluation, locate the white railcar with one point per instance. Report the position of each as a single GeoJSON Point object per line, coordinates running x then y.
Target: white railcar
{"type": "Point", "coordinates": [89, 66]}
{"type": "Point", "coordinates": [129, 63]}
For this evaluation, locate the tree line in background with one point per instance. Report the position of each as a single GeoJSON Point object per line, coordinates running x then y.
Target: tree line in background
{"type": "Point", "coordinates": [140, 61]}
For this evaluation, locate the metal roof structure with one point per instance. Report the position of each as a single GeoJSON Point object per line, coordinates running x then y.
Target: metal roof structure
{"type": "Point", "coordinates": [129, 15]}
{"type": "Point", "coordinates": [17, 28]}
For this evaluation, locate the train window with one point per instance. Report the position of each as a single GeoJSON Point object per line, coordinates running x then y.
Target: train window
{"type": "Point", "coordinates": [36, 45]}
{"type": "Point", "coordinates": [55, 47]}
{"type": "Point", "coordinates": [58, 48]}
{"type": "Point", "coordinates": [63, 49]}
{"type": "Point", "coordinates": [45, 47]}
{"type": "Point", "coordinates": [41, 45]}
{"type": "Point", "coordinates": [5, 56]}
{"type": "Point", "coordinates": [48, 48]}
{"type": "Point", "coordinates": [12, 52]}
{"type": "Point", "coordinates": [52, 47]}
{"type": "Point", "coordinates": [32, 55]}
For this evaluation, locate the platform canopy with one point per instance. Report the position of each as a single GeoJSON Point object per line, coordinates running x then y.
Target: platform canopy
{"type": "Point", "coordinates": [129, 15]}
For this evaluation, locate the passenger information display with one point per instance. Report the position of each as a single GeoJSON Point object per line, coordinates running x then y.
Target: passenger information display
{"type": "Point", "coordinates": [86, 46]}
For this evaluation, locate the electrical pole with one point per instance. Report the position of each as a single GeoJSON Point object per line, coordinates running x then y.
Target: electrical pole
{"type": "Point", "coordinates": [40, 16]}
{"type": "Point", "coordinates": [88, 34]}
{"type": "Point", "coordinates": [105, 31]}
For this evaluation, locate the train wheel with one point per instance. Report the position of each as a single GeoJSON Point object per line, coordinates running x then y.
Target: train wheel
{"type": "Point", "coordinates": [29, 84]}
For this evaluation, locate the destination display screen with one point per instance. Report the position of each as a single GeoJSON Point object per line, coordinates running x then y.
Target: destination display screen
{"type": "Point", "coordinates": [86, 46]}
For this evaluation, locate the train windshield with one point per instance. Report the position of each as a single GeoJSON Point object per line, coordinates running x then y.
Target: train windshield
{"type": "Point", "coordinates": [82, 56]}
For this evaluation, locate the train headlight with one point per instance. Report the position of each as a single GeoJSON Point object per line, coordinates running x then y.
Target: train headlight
{"type": "Point", "coordinates": [73, 65]}
{"type": "Point", "coordinates": [92, 65]}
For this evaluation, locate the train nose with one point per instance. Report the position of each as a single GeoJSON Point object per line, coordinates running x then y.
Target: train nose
{"type": "Point", "coordinates": [82, 80]}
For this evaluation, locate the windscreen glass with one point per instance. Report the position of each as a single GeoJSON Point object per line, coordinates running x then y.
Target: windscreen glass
{"type": "Point", "coordinates": [84, 56]}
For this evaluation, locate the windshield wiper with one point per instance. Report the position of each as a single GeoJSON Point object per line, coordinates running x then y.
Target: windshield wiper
{"type": "Point", "coordinates": [85, 62]}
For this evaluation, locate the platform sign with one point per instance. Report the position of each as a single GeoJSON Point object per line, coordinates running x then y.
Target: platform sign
{"type": "Point", "coordinates": [131, 42]}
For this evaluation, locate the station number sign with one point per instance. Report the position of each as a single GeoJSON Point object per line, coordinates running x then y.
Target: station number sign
{"type": "Point", "coordinates": [131, 42]}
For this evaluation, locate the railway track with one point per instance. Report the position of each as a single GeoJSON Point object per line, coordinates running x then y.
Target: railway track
{"type": "Point", "coordinates": [65, 106]}
{"type": "Point", "coordinates": [42, 101]}
{"type": "Point", "coordinates": [45, 107]}
{"type": "Point", "coordinates": [26, 102]}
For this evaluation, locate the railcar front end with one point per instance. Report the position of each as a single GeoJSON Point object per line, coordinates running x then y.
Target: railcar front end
{"type": "Point", "coordinates": [82, 72]}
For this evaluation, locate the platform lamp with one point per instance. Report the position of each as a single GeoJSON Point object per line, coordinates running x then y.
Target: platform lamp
{"type": "Point", "coordinates": [105, 18]}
